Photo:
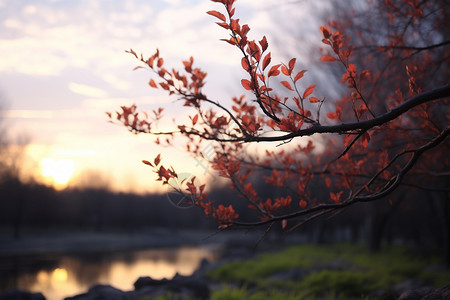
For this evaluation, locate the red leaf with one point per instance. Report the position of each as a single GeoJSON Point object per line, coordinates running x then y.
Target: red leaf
{"type": "Point", "coordinates": [308, 91]}
{"type": "Point", "coordinates": [157, 160]}
{"type": "Point", "coordinates": [217, 15]}
{"type": "Point", "coordinates": [194, 119]}
{"type": "Point", "coordinates": [230, 41]}
{"type": "Point", "coordinates": [287, 85]}
{"type": "Point", "coordinates": [299, 75]}
{"type": "Point", "coordinates": [274, 71]}
{"type": "Point", "coordinates": [348, 139]}
{"type": "Point", "coordinates": [345, 53]}
{"type": "Point", "coordinates": [164, 85]}
{"type": "Point", "coordinates": [254, 50]}
{"type": "Point", "coordinates": [245, 65]}
{"type": "Point", "coordinates": [160, 62]}
{"type": "Point", "coordinates": [247, 84]}
{"type": "Point", "coordinates": [244, 30]}
{"type": "Point", "coordinates": [364, 74]}
{"type": "Point", "coordinates": [266, 61]}
{"type": "Point", "coordinates": [246, 120]}
{"type": "Point", "coordinates": [336, 197]}
{"type": "Point", "coordinates": [132, 52]}
{"type": "Point", "coordinates": [147, 163]}
{"type": "Point", "coordinates": [365, 139]}
{"type": "Point", "coordinates": [313, 100]}
{"type": "Point", "coordinates": [332, 116]}
{"type": "Point", "coordinates": [351, 68]}
{"type": "Point", "coordinates": [325, 31]}
{"type": "Point", "coordinates": [303, 204]}
{"type": "Point", "coordinates": [292, 64]}
{"type": "Point", "coordinates": [235, 25]}
{"type": "Point", "coordinates": [328, 58]}
{"type": "Point", "coordinates": [232, 12]}
{"type": "Point", "coordinates": [152, 84]}
{"type": "Point", "coordinates": [264, 43]}
{"type": "Point", "coordinates": [223, 24]}
{"type": "Point", "coordinates": [285, 70]}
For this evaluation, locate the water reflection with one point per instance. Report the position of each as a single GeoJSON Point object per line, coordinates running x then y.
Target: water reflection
{"type": "Point", "coordinates": [67, 275]}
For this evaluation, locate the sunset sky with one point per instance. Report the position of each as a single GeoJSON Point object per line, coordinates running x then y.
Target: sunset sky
{"type": "Point", "coordinates": [63, 66]}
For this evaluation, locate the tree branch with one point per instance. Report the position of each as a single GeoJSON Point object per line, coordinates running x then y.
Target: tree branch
{"type": "Point", "coordinates": [417, 100]}
{"type": "Point", "coordinates": [418, 49]}
{"type": "Point", "coordinates": [388, 188]}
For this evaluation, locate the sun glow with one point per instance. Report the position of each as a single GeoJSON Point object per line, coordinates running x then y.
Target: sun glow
{"type": "Point", "coordinates": [59, 275]}
{"type": "Point", "coordinates": [57, 171]}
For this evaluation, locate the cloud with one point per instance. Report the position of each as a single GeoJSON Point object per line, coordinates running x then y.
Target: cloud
{"type": "Point", "coordinates": [50, 45]}
{"type": "Point", "coordinates": [173, 2]}
{"type": "Point", "coordinates": [45, 39]}
{"type": "Point", "coordinates": [87, 90]}
{"type": "Point", "coordinates": [116, 81]}
{"type": "Point", "coordinates": [29, 114]}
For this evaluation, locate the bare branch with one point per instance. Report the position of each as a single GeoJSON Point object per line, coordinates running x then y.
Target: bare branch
{"type": "Point", "coordinates": [417, 100]}
{"type": "Point", "coordinates": [389, 187]}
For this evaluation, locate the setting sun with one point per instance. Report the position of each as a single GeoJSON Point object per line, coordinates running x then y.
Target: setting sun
{"type": "Point", "coordinates": [58, 171]}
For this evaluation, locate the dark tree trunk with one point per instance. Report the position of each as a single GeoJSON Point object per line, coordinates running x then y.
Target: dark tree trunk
{"type": "Point", "coordinates": [377, 222]}
{"type": "Point", "coordinates": [446, 232]}
{"type": "Point", "coordinates": [18, 198]}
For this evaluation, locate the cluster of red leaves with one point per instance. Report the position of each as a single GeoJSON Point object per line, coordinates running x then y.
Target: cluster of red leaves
{"type": "Point", "coordinates": [358, 172]}
{"type": "Point", "coordinates": [256, 61]}
{"type": "Point", "coordinates": [164, 174]}
{"type": "Point", "coordinates": [174, 82]}
{"type": "Point", "coordinates": [224, 215]}
{"type": "Point", "coordinates": [350, 77]}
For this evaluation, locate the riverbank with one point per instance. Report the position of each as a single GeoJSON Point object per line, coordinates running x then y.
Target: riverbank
{"type": "Point", "coordinates": [55, 241]}
{"type": "Point", "coordinates": [298, 272]}
{"type": "Point", "coordinates": [274, 270]}
{"type": "Point", "coordinates": [60, 263]}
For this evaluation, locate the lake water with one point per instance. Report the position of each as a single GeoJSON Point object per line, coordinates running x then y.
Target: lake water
{"type": "Point", "coordinates": [66, 275]}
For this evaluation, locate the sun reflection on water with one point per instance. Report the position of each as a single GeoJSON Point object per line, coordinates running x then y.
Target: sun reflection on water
{"type": "Point", "coordinates": [74, 275]}
{"type": "Point", "coordinates": [59, 275]}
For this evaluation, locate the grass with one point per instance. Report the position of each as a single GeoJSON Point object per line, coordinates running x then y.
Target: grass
{"type": "Point", "coordinates": [341, 271]}
{"type": "Point", "coordinates": [299, 257]}
{"type": "Point", "coordinates": [356, 273]}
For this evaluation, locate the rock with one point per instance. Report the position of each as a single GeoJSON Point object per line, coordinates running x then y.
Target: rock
{"type": "Point", "coordinates": [416, 294]}
{"type": "Point", "coordinates": [442, 293]}
{"type": "Point", "coordinates": [102, 292]}
{"type": "Point", "coordinates": [426, 293]}
{"type": "Point", "coordinates": [182, 286]}
{"type": "Point", "coordinates": [411, 289]}
{"type": "Point", "coordinates": [148, 281]}
{"type": "Point", "coordinates": [195, 287]}
{"type": "Point", "coordinates": [21, 295]}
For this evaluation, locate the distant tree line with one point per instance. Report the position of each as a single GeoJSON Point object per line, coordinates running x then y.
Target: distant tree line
{"type": "Point", "coordinates": [36, 206]}
{"type": "Point", "coordinates": [411, 216]}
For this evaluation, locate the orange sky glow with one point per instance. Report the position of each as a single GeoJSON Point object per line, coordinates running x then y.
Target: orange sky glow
{"type": "Point", "coordinates": [64, 65]}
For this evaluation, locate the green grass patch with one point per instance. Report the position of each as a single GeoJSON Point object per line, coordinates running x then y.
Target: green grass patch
{"type": "Point", "coordinates": [342, 271]}
{"type": "Point", "coordinates": [230, 293]}
{"type": "Point", "coordinates": [306, 256]}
